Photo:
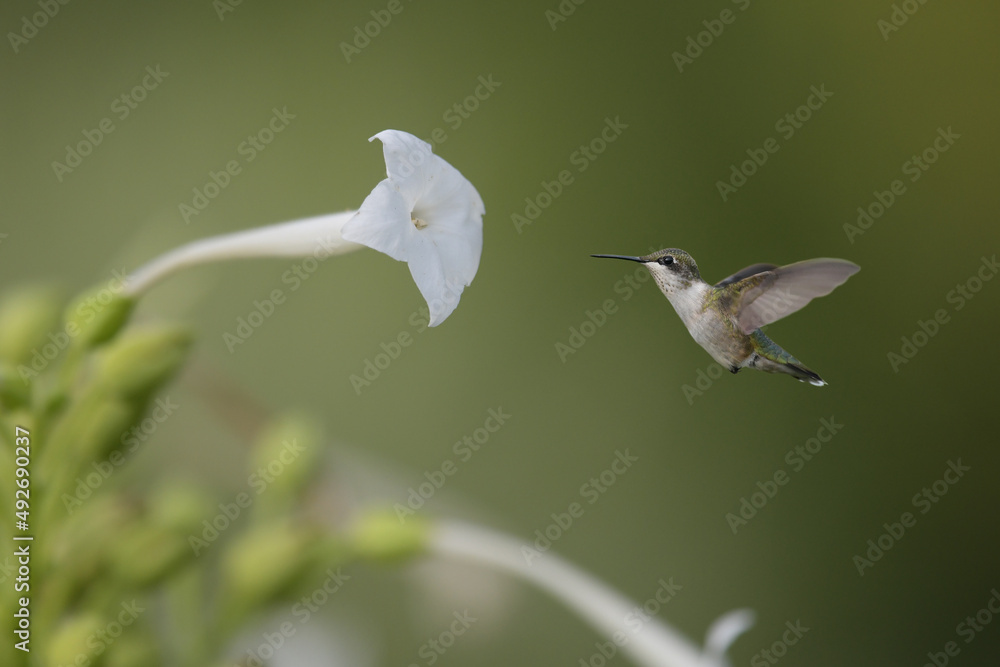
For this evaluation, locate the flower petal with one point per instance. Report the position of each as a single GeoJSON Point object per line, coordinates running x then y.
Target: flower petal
{"type": "Point", "coordinates": [454, 211]}
{"type": "Point", "coordinates": [724, 631]}
{"type": "Point", "coordinates": [459, 255]}
{"type": "Point", "coordinates": [409, 163]}
{"type": "Point", "coordinates": [383, 222]}
{"type": "Point", "coordinates": [440, 291]}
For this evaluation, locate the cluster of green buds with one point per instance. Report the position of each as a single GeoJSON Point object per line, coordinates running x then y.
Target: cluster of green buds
{"type": "Point", "coordinates": [108, 555]}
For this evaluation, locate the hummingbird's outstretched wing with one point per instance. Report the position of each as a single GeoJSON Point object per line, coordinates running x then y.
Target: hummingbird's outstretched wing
{"type": "Point", "coordinates": [745, 273]}
{"type": "Point", "coordinates": [766, 296]}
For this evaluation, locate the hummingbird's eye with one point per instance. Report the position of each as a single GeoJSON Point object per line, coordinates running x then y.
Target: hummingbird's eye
{"type": "Point", "coordinates": [666, 260]}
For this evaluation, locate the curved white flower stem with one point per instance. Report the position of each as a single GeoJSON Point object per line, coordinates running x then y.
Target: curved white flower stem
{"type": "Point", "coordinates": [654, 645]}
{"type": "Point", "coordinates": [319, 236]}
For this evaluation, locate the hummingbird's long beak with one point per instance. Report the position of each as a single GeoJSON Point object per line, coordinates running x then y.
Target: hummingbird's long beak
{"type": "Point", "coordinates": [628, 257]}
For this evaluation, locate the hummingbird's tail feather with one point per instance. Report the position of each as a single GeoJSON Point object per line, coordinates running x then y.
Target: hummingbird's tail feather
{"type": "Point", "coordinates": [803, 374]}
{"type": "Point", "coordinates": [769, 356]}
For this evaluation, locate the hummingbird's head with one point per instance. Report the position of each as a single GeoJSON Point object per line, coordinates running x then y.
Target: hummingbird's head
{"type": "Point", "coordinates": [673, 269]}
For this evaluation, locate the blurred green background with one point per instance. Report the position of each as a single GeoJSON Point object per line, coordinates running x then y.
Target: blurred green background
{"type": "Point", "coordinates": [654, 186]}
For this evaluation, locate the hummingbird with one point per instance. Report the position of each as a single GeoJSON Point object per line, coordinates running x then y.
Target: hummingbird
{"type": "Point", "coordinates": [726, 318]}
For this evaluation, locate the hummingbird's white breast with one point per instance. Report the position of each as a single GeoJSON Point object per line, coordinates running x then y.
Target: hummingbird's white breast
{"type": "Point", "coordinates": [706, 325]}
{"type": "Point", "coordinates": [688, 301]}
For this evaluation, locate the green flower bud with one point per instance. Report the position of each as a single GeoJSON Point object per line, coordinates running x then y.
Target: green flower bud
{"type": "Point", "coordinates": [147, 553]}
{"type": "Point", "coordinates": [286, 458]}
{"type": "Point", "coordinates": [180, 508]}
{"type": "Point", "coordinates": [155, 545]}
{"type": "Point", "coordinates": [29, 320]}
{"type": "Point", "coordinates": [79, 546]}
{"type": "Point", "coordinates": [90, 428]}
{"type": "Point", "coordinates": [97, 315]}
{"type": "Point", "coordinates": [379, 535]}
{"type": "Point", "coordinates": [141, 361]}
{"type": "Point", "coordinates": [267, 563]}
{"type": "Point", "coordinates": [73, 639]}
{"type": "Point", "coordinates": [103, 432]}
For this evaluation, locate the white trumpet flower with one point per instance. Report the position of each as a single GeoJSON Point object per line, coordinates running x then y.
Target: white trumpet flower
{"type": "Point", "coordinates": [425, 214]}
